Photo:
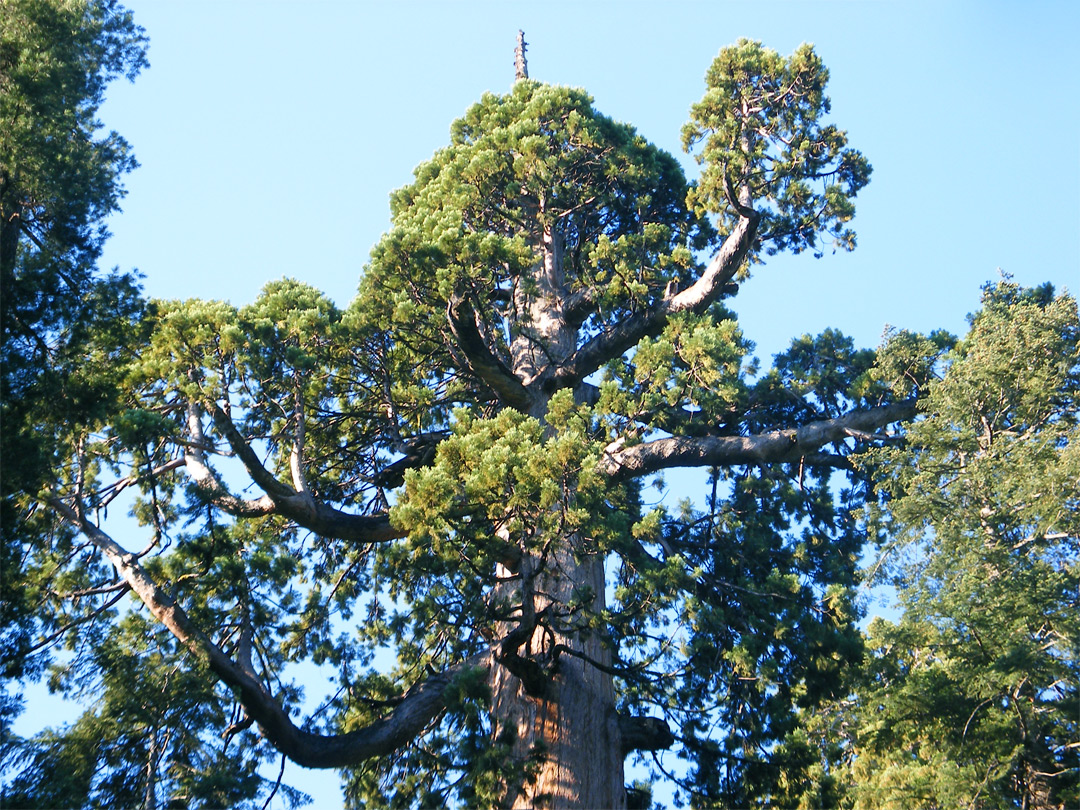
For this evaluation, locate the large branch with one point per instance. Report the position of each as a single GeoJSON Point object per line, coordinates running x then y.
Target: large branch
{"type": "Point", "coordinates": [644, 734]}
{"type": "Point", "coordinates": [408, 719]}
{"type": "Point", "coordinates": [695, 298]}
{"type": "Point", "coordinates": [481, 360]}
{"type": "Point", "coordinates": [212, 490]}
{"type": "Point", "coordinates": [787, 445]}
{"type": "Point", "coordinates": [324, 520]}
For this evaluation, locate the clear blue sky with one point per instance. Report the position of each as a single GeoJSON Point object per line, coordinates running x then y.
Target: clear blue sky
{"type": "Point", "coordinates": [271, 133]}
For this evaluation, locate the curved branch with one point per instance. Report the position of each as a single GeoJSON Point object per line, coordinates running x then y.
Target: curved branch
{"type": "Point", "coordinates": [408, 719]}
{"type": "Point", "coordinates": [725, 451]}
{"type": "Point", "coordinates": [695, 298]}
{"type": "Point", "coordinates": [211, 489]}
{"type": "Point", "coordinates": [262, 477]}
{"type": "Point", "coordinates": [480, 359]}
{"type": "Point", "coordinates": [418, 451]}
{"type": "Point", "coordinates": [316, 516]}
{"type": "Point", "coordinates": [579, 305]}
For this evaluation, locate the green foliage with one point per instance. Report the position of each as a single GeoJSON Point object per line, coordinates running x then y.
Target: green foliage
{"type": "Point", "coordinates": [971, 699]}
{"type": "Point", "coordinates": [539, 160]}
{"type": "Point", "coordinates": [64, 326]}
{"type": "Point", "coordinates": [686, 380]}
{"type": "Point", "coordinates": [768, 611]}
{"type": "Point", "coordinates": [59, 179]}
{"type": "Point", "coordinates": [733, 619]}
{"type": "Point", "coordinates": [819, 377]}
{"type": "Point", "coordinates": [764, 144]}
{"type": "Point", "coordinates": [146, 738]}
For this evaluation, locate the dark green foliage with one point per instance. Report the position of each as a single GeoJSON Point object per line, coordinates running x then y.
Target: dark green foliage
{"type": "Point", "coordinates": [64, 326]}
{"type": "Point", "coordinates": [973, 697]}
{"type": "Point", "coordinates": [539, 160]}
{"type": "Point", "coordinates": [69, 333]}
{"type": "Point", "coordinates": [59, 179]}
{"type": "Point", "coordinates": [763, 581]}
{"type": "Point", "coordinates": [432, 481]}
{"type": "Point", "coordinates": [146, 738]}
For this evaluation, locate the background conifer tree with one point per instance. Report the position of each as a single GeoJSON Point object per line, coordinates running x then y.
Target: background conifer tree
{"type": "Point", "coordinates": [971, 698]}
{"type": "Point", "coordinates": [64, 324]}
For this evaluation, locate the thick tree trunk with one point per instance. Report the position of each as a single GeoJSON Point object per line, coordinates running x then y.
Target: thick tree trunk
{"type": "Point", "coordinates": [558, 707]}
{"type": "Point", "coordinates": [568, 750]}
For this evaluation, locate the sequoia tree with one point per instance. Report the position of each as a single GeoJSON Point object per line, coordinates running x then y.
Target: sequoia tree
{"type": "Point", "coordinates": [452, 472]}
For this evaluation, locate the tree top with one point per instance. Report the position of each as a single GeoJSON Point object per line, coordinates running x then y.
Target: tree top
{"type": "Point", "coordinates": [521, 66]}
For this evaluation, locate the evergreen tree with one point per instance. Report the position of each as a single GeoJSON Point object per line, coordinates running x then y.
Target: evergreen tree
{"type": "Point", "coordinates": [972, 699]}
{"type": "Point", "coordinates": [64, 325]}
{"type": "Point", "coordinates": [452, 469]}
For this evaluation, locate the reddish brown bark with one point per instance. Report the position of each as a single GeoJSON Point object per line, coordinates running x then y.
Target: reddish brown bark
{"type": "Point", "coordinates": [568, 750]}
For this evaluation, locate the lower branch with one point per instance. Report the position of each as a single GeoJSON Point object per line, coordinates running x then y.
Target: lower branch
{"type": "Point", "coordinates": [409, 718]}
{"type": "Point", "coordinates": [644, 734]}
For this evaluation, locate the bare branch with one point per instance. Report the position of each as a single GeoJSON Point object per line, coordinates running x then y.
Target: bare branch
{"type": "Point", "coordinates": [108, 494]}
{"type": "Point", "coordinates": [776, 446]}
{"type": "Point", "coordinates": [207, 482]}
{"type": "Point", "coordinates": [296, 456]}
{"type": "Point", "coordinates": [121, 590]}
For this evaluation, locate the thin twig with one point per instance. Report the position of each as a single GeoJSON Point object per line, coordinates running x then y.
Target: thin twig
{"type": "Point", "coordinates": [277, 784]}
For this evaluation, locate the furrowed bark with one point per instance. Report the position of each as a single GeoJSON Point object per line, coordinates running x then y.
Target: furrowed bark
{"type": "Point", "coordinates": [558, 708]}
{"type": "Point", "coordinates": [775, 446]}
{"type": "Point", "coordinates": [417, 709]}
{"type": "Point", "coordinates": [568, 719]}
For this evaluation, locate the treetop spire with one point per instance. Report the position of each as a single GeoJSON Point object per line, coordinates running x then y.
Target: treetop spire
{"type": "Point", "coordinates": [521, 67]}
